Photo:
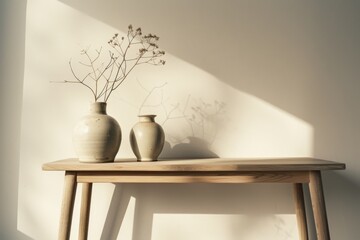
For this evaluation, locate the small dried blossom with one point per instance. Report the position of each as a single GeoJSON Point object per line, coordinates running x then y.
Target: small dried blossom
{"type": "Point", "coordinates": [102, 79]}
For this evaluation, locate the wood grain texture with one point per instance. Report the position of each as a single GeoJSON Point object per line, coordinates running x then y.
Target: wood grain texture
{"type": "Point", "coordinates": [300, 211]}
{"type": "Point", "coordinates": [212, 164]}
{"type": "Point", "coordinates": [85, 211]}
{"type": "Point", "coordinates": [184, 177]}
{"type": "Point", "coordinates": [67, 205]}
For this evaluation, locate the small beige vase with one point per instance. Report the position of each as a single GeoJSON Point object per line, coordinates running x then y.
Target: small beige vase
{"type": "Point", "coordinates": [147, 138]}
{"type": "Point", "coordinates": [97, 136]}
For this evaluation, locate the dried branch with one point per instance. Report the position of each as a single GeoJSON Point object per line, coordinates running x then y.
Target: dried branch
{"type": "Point", "coordinates": [127, 53]}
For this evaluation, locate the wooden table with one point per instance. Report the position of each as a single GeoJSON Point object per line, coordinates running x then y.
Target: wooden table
{"type": "Point", "coordinates": [216, 170]}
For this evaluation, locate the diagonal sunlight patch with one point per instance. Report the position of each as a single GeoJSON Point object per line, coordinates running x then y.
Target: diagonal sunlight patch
{"type": "Point", "coordinates": [221, 226]}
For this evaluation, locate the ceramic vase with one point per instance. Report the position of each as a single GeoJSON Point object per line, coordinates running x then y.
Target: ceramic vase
{"type": "Point", "coordinates": [97, 136]}
{"type": "Point", "coordinates": [147, 138]}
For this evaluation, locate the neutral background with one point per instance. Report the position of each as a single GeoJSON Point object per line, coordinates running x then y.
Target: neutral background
{"type": "Point", "coordinates": [270, 78]}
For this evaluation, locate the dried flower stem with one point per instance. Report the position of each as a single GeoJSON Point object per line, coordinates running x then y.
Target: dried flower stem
{"type": "Point", "coordinates": [102, 79]}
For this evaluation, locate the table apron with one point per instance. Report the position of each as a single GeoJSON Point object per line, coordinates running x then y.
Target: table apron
{"type": "Point", "coordinates": [192, 177]}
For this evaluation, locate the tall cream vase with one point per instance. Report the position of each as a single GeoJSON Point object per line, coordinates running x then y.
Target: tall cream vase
{"type": "Point", "coordinates": [97, 136]}
{"type": "Point", "coordinates": [147, 138]}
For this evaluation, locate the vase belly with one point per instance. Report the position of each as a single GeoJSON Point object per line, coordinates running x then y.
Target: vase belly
{"type": "Point", "coordinates": [147, 139]}
{"type": "Point", "coordinates": [97, 137]}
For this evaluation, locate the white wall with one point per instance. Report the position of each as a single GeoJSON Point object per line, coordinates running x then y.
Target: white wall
{"type": "Point", "coordinates": [12, 50]}
{"type": "Point", "coordinates": [286, 71]}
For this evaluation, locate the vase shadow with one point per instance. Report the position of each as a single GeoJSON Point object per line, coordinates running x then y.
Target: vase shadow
{"type": "Point", "coordinates": [195, 148]}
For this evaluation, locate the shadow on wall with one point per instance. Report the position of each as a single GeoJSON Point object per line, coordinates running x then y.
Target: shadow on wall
{"type": "Point", "coordinates": [195, 148]}
{"type": "Point", "coordinates": [342, 193]}
{"type": "Point", "coordinates": [191, 126]}
{"type": "Point", "coordinates": [188, 202]}
{"type": "Point", "coordinates": [12, 44]}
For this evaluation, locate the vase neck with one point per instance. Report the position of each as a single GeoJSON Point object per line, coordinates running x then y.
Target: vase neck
{"type": "Point", "coordinates": [98, 107]}
{"type": "Point", "coordinates": [147, 118]}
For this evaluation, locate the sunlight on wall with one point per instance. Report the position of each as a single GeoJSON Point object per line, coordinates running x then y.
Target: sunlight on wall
{"type": "Point", "coordinates": [182, 226]}
{"type": "Point", "coordinates": [202, 117]}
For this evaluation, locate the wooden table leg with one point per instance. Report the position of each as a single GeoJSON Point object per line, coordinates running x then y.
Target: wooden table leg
{"type": "Point", "coordinates": [318, 206]}
{"type": "Point", "coordinates": [300, 211]}
{"type": "Point", "coordinates": [67, 205]}
{"type": "Point", "coordinates": [85, 210]}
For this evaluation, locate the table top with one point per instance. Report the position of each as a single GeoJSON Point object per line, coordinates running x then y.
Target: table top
{"type": "Point", "coordinates": [196, 165]}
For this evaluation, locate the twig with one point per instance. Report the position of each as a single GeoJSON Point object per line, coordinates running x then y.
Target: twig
{"type": "Point", "coordinates": [107, 78]}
